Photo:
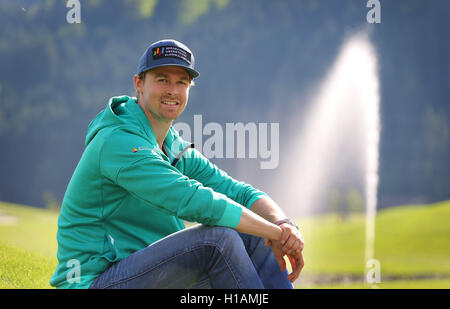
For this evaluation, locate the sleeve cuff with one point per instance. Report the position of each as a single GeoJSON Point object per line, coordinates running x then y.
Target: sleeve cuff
{"type": "Point", "coordinates": [255, 198]}
{"type": "Point", "coordinates": [231, 216]}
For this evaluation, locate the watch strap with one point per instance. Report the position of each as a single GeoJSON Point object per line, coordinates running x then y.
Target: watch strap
{"type": "Point", "coordinates": [288, 221]}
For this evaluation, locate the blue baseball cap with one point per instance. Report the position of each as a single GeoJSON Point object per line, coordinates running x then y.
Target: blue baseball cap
{"type": "Point", "coordinates": [168, 53]}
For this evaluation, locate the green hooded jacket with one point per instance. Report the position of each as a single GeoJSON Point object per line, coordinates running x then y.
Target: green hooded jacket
{"type": "Point", "coordinates": [126, 193]}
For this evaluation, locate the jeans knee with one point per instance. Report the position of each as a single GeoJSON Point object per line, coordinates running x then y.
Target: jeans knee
{"type": "Point", "coordinates": [225, 237]}
{"type": "Point", "coordinates": [226, 232]}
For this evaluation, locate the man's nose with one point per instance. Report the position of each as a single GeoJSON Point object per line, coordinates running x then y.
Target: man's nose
{"type": "Point", "coordinates": [171, 89]}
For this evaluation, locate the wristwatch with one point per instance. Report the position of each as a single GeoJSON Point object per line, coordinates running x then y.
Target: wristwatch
{"type": "Point", "coordinates": [288, 221]}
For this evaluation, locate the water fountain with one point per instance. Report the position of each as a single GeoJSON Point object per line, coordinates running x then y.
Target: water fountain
{"type": "Point", "coordinates": [339, 139]}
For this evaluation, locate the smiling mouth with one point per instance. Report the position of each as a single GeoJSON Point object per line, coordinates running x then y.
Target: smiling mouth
{"type": "Point", "coordinates": [170, 103]}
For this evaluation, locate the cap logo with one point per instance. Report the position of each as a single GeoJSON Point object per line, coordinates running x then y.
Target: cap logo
{"type": "Point", "coordinates": [171, 51]}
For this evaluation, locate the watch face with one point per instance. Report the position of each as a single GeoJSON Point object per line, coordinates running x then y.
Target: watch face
{"type": "Point", "coordinates": [291, 222]}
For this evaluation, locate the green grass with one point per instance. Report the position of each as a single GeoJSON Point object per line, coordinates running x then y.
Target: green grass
{"type": "Point", "coordinates": [412, 245]}
{"type": "Point", "coordinates": [396, 284]}
{"type": "Point", "coordinates": [27, 246]}
{"type": "Point", "coordinates": [418, 239]}
{"type": "Point", "coordinates": [21, 269]}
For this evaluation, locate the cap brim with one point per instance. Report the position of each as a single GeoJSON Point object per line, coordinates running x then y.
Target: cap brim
{"type": "Point", "coordinates": [193, 73]}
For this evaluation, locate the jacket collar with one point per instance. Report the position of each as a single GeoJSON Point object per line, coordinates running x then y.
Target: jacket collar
{"type": "Point", "coordinates": [172, 134]}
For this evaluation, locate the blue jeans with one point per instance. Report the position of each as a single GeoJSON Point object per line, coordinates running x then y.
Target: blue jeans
{"type": "Point", "coordinates": [198, 257]}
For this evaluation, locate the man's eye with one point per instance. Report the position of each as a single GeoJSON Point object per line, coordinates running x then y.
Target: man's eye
{"type": "Point", "coordinates": [162, 80]}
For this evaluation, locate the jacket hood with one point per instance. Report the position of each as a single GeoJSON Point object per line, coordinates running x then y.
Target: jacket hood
{"type": "Point", "coordinates": [118, 112]}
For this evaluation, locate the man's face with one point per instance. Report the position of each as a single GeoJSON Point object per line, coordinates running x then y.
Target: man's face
{"type": "Point", "coordinates": [164, 92]}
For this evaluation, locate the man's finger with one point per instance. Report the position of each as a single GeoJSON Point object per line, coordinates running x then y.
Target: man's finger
{"type": "Point", "coordinates": [299, 263]}
{"type": "Point", "coordinates": [281, 263]}
{"type": "Point", "coordinates": [292, 261]}
{"type": "Point", "coordinates": [284, 235]}
{"type": "Point", "coordinates": [289, 245]}
{"type": "Point", "coordinates": [294, 245]}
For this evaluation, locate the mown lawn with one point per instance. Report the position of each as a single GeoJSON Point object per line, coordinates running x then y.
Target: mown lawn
{"type": "Point", "coordinates": [412, 245]}
{"type": "Point", "coordinates": [27, 246]}
{"type": "Point", "coordinates": [21, 269]}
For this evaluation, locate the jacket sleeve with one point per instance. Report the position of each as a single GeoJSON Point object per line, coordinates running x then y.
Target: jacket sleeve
{"type": "Point", "coordinates": [135, 165]}
{"type": "Point", "coordinates": [201, 169]}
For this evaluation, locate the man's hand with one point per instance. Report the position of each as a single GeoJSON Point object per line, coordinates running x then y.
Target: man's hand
{"type": "Point", "coordinates": [277, 252]}
{"type": "Point", "coordinates": [291, 239]}
{"type": "Point", "coordinates": [290, 244]}
{"type": "Point", "coordinates": [297, 264]}
{"type": "Point", "coordinates": [293, 244]}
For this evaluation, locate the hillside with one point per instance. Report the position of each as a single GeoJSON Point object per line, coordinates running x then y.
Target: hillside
{"type": "Point", "coordinates": [411, 244]}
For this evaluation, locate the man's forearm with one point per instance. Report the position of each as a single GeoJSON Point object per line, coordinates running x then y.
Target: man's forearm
{"type": "Point", "coordinates": [260, 219]}
{"type": "Point", "coordinates": [253, 224]}
{"type": "Point", "coordinates": [268, 209]}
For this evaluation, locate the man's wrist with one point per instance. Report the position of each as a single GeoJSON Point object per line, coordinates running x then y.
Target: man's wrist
{"type": "Point", "coordinates": [288, 221]}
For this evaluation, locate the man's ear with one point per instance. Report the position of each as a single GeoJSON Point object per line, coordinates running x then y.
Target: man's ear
{"type": "Point", "coordinates": [138, 83]}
